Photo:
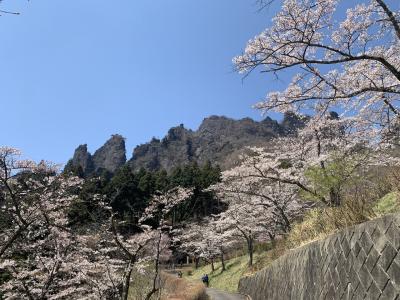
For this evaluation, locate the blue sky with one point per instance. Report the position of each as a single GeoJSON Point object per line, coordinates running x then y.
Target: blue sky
{"type": "Point", "coordinates": [75, 72]}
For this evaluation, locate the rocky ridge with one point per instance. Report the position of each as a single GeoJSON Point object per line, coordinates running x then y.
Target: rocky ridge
{"type": "Point", "coordinates": [218, 139]}
{"type": "Point", "coordinates": [110, 157]}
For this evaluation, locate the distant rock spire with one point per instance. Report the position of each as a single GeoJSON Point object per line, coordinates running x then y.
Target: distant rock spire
{"type": "Point", "coordinates": [83, 159]}
{"type": "Point", "coordinates": [111, 156]}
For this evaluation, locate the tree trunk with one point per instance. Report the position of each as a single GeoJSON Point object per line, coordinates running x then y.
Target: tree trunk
{"type": "Point", "coordinates": [223, 262]}
{"type": "Point", "coordinates": [287, 226]}
{"type": "Point", "coordinates": [11, 240]}
{"type": "Point", "coordinates": [156, 278]}
{"type": "Point", "coordinates": [196, 262]}
{"type": "Point", "coordinates": [125, 287]}
{"type": "Point", "coordinates": [272, 238]}
{"type": "Point", "coordinates": [334, 197]}
{"type": "Point", "coordinates": [212, 265]}
{"type": "Point", "coordinates": [250, 249]}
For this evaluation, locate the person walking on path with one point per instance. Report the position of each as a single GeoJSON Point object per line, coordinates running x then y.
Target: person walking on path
{"type": "Point", "coordinates": [205, 280]}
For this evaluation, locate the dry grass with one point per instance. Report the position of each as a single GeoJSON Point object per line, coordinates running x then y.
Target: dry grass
{"type": "Point", "coordinates": [388, 204]}
{"type": "Point", "coordinates": [318, 223]}
{"type": "Point", "coordinates": [266, 257]}
{"type": "Point", "coordinates": [180, 289]}
{"type": "Point", "coordinates": [141, 284]}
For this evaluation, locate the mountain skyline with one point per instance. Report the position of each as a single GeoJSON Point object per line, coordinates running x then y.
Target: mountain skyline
{"type": "Point", "coordinates": [133, 67]}
{"type": "Point", "coordinates": [218, 139]}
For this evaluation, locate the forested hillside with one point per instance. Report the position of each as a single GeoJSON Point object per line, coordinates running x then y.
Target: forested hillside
{"type": "Point", "coordinates": [129, 193]}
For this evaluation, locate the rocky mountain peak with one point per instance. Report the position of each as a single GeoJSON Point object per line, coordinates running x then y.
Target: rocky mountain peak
{"type": "Point", "coordinates": [291, 122]}
{"type": "Point", "coordinates": [112, 155]}
{"type": "Point", "coordinates": [82, 159]}
{"type": "Point", "coordinates": [218, 139]}
{"type": "Point", "coordinates": [177, 133]}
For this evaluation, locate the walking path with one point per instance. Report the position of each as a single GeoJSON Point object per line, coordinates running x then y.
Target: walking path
{"type": "Point", "coordinates": [220, 295]}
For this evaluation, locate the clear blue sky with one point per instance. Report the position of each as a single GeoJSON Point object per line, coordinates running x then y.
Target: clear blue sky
{"type": "Point", "coordinates": [75, 72]}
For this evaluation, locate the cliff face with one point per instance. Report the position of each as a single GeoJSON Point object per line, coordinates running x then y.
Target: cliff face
{"type": "Point", "coordinates": [110, 157]}
{"type": "Point", "coordinates": [222, 139]}
{"type": "Point", "coordinates": [173, 150]}
{"type": "Point", "coordinates": [83, 159]}
{"type": "Point", "coordinates": [218, 139]}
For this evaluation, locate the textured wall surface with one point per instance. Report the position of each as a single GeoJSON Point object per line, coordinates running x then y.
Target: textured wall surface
{"type": "Point", "coordinates": [360, 262]}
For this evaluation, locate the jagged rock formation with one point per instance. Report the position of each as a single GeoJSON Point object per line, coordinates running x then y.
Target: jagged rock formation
{"type": "Point", "coordinates": [218, 139]}
{"type": "Point", "coordinates": [83, 159]}
{"type": "Point", "coordinates": [221, 139]}
{"type": "Point", "coordinates": [173, 150]}
{"type": "Point", "coordinates": [110, 157]}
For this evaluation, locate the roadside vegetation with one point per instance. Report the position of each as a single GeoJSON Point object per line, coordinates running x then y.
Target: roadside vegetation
{"type": "Point", "coordinates": [171, 287]}
{"type": "Point", "coordinates": [227, 280]}
{"type": "Point", "coordinates": [316, 224]}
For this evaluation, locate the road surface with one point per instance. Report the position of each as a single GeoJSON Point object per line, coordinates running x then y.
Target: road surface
{"type": "Point", "coordinates": [220, 295]}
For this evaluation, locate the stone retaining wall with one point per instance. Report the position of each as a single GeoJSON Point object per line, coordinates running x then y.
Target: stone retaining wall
{"type": "Point", "coordinates": [360, 262]}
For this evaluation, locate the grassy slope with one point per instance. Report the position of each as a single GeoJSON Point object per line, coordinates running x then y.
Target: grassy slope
{"type": "Point", "coordinates": [140, 286]}
{"type": "Point", "coordinates": [237, 267]}
{"type": "Point", "coordinates": [227, 280]}
{"type": "Point", "coordinates": [387, 204]}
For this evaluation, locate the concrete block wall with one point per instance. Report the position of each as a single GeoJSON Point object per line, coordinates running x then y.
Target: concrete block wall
{"type": "Point", "coordinates": [360, 262]}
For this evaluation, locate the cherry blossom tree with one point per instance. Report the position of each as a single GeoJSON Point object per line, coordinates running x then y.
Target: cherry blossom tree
{"type": "Point", "coordinates": [37, 245]}
{"type": "Point", "coordinates": [139, 251]}
{"type": "Point", "coordinates": [278, 200]}
{"type": "Point", "coordinates": [159, 209]}
{"type": "Point", "coordinates": [11, 201]}
{"type": "Point", "coordinates": [349, 65]}
{"type": "Point", "coordinates": [207, 240]}
{"type": "Point", "coordinates": [190, 240]}
{"type": "Point", "coordinates": [316, 163]}
{"type": "Point", "coordinates": [247, 216]}
{"type": "Point", "coordinates": [45, 258]}
{"type": "Point", "coordinates": [2, 11]}
{"type": "Point", "coordinates": [328, 149]}
{"type": "Point", "coordinates": [219, 241]}
{"type": "Point", "coordinates": [255, 213]}
{"type": "Point", "coordinates": [243, 221]}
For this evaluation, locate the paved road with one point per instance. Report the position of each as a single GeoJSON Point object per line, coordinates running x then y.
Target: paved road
{"type": "Point", "coordinates": [219, 295]}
